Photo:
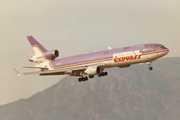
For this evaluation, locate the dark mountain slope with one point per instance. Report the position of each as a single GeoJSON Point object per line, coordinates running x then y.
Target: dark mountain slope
{"type": "Point", "coordinates": [133, 93]}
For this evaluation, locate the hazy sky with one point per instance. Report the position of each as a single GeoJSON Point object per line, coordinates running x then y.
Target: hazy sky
{"type": "Point", "coordinates": [75, 27]}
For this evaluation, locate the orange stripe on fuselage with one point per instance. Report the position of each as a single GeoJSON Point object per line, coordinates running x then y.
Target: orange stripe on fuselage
{"type": "Point", "coordinates": [41, 52]}
{"type": "Point", "coordinates": [81, 64]}
{"type": "Point", "coordinates": [88, 62]}
{"type": "Point", "coordinates": [101, 61]}
{"type": "Point", "coordinates": [155, 52]}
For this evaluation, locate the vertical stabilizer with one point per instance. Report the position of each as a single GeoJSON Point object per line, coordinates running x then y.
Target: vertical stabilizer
{"type": "Point", "coordinates": [37, 47]}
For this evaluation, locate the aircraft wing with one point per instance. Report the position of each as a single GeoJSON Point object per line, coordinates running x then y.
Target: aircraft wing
{"type": "Point", "coordinates": [58, 71]}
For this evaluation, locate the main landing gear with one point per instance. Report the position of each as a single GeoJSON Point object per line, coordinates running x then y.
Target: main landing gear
{"type": "Point", "coordinates": [149, 64]}
{"type": "Point", "coordinates": [92, 76]}
{"type": "Point", "coordinates": [83, 79]}
{"type": "Point", "coordinates": [103, 74]}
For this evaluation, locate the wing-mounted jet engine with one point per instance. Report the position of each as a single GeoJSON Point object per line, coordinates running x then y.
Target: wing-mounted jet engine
{"type": "Point", "coordinates": [93, 70]}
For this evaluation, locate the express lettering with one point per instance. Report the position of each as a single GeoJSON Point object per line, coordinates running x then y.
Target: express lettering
{"type": "Point", "coordinates": [126, 56]}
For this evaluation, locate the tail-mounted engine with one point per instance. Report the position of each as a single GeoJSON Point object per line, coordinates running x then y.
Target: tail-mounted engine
{"type": "Point", "coordinates": [38, 57]}
{"type": "Point", "coordinates": [51, 55]}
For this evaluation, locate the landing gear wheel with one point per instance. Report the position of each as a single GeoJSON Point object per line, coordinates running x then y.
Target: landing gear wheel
{"type": "Point", "coordinates": [150, 68]}
{"type": "Point", "coordinates": [149, 64]}
{"type": "Point", "coordinates": [79, 79]}
{"type": "Point", "coordinates": [86, 78]}
{"type": "Point", "coordinates": [105, 73]}
{"type": "Point", "coordinates": [82, 79]}
{"type": "Point", "coordinates": [91, 76]}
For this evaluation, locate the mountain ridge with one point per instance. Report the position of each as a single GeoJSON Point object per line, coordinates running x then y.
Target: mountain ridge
{"type": "Point", "coordinates": [129, 93]}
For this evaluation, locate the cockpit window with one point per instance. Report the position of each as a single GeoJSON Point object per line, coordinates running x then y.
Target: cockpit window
{"type": "Point", "coordinates": [163, 47]}
{"type": "Point", "coordinates": [160, 47]}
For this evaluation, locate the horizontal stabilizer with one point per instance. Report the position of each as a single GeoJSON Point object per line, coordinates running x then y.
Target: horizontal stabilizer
{"type": "Point", "coordinates": [16, 72]}
{"type": "Point", "coordinates": [43, 68]}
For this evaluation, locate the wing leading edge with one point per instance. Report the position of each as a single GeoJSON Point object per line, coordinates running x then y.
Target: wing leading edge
{"type": "Point", "coordinates": [75, 71]}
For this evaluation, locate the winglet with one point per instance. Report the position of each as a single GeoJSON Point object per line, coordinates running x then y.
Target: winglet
{"type": "Point", "coordinates": [16, 72]}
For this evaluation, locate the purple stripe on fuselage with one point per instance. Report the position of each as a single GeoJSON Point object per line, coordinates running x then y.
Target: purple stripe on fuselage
{"type": "Point", "coordinates": [102, 55]}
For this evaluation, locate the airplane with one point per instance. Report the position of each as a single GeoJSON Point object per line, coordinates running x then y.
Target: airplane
{"type": "Point", "coordinates": [91, 64]}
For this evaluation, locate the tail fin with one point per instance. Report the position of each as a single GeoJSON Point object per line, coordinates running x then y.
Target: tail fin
{"type": "Point", "coordinates": [37, 47]}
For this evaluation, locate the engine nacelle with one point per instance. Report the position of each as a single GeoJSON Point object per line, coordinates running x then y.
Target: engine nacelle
{"type": "Point", "coordinates": [94, 70]}
{"type": "Point", "coordinates": [51, 55]}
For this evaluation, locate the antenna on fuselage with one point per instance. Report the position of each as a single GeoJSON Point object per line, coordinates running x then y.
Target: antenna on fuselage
{"type": "Point", "coordinates": [109, 47]}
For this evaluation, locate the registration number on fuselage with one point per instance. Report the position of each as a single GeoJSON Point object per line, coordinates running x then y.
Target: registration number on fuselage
{"type": "Point", "coordinates": [126, 56]}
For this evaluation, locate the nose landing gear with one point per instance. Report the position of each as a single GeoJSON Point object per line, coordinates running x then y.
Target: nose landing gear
{"type": "Point", "coordinates": [150, 68]}
{"type": "Point", "coordinates": [149, 64]}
